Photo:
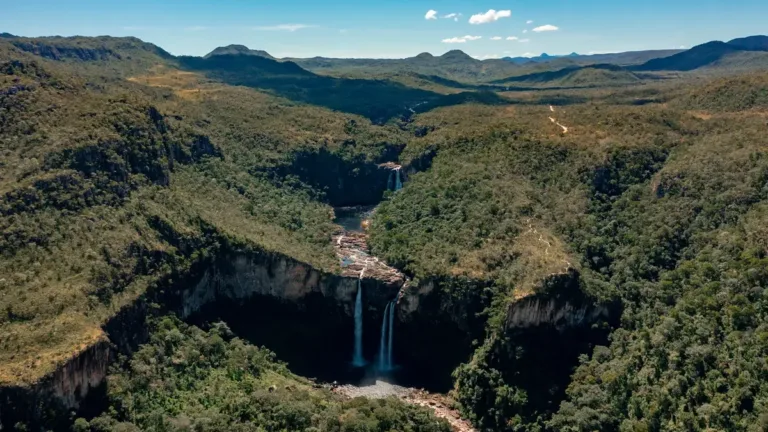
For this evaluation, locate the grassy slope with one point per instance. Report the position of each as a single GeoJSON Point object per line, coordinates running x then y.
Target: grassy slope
{"type": "Point", "coordinates": [111, 181]}
{"type": "Point", "coordinates": [644, 200]}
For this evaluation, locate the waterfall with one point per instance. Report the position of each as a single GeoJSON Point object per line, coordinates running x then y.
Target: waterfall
{"type": "Point", "coordinates": [395, 181]}
{"type": "Point", "coordinates": [358, 359]}
{"type": "Point", "coordinates": [382, 343]}
{"type": "Point", "coordinates": [390, 363]}
{"type": "Point", "coordinates": [387, 332]}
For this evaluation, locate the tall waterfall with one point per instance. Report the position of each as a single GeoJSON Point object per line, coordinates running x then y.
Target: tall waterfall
{"type": "Point", "coordinates": [358, 359]}
{"type": "Point", "coordinates": [386, 362]}
{"type": "Point", "coordinates": [390, 363]}
{"type": "Point", "coordinates": [395, 181]}
{"type": "Point", "coordinates": [383, 342]}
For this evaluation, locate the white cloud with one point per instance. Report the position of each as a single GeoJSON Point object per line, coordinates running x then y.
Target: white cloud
{"type": "Point", "coordinates": [524, 40]}
{"type": "Point", "coordinates": [546, 28]}
{"type": "Point", "coordinates": [512, 38]}
{"type": "Point", "coordinates": [431, 15]}
{"type": "Point", "coordinates": [529, 55]}
{"type": "Point", "coordinates": [529, 22]}
{"type": "Point", "coordinates": [462, 39]}
{"type": "Point", "coordinates": [284, 27]}
{"type": "Point", "coordinates": [490, 16]}
{"type": "Point", "coordinates": [525, 31]}
{"type": "Point", "coordinates": [496, 38]}
{"type": "Point", "coordinates": [453, 15]}
{"type": "Point", "coordinates": [682, 46]}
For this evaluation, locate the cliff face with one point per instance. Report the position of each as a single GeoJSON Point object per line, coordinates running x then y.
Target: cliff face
{"type": "Point", "coordinates": [346, 182]}
{"type": "Point", "coordinates": [560, 304]}
{"type": "Point", "coordinates": [240, 277]}
{"type": "Point", "coordinates": [536, 348]}
{"type": "Point", "coordinates": [232, 279]}
{"type": "Point", "coordinates": [562, 315]}
{"type": "Point", "coordinates": [44, 405]}
{"type": "Point", "coordinates": [438, 320]}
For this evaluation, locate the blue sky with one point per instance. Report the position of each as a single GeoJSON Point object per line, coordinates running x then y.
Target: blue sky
{"type": "Point", "coordinates": [395, 28]}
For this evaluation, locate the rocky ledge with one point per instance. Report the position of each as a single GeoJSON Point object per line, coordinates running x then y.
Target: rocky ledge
{"type": "Point", "coordinates": [352, 250]}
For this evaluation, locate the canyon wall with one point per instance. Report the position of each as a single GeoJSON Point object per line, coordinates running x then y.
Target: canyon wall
{"type": "Point", "coordinates": [234, 278]}
{"type": "Point", "coordinates": [559, 304]}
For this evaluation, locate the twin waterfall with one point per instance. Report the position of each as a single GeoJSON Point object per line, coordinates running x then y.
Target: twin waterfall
{"type": "Point", "coordinates": [386, 363]}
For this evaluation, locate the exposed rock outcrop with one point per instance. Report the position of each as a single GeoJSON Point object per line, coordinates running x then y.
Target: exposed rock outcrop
{"type": "Point", "coordinates": [241, 276]}
{"type": "Point", "coordinates": [234, 277]}
{"type": "Point", "coordinates": [559, 304]}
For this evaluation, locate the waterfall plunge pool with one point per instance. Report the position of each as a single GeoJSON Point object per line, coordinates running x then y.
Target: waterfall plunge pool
{"type": "Point", "coordinates": [351, 218]}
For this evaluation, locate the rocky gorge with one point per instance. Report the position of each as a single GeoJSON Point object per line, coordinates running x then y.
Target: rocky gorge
{"type": "Point", "coordinates": [307, 317]}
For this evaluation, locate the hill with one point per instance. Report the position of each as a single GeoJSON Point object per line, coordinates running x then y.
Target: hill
{"type": "Point", "coordinates": [751, 43]}
{"type": "Point", "coordinates": [455, 65]}
{"type": "Point", "coordinates": [594, 265]}
{"type": "Point", "coordinates": [576, 76]}
{"type": "Point", "coordinates": [705, 54]}
{"type": "Point", "coordinates": [379, 100]}
{"type": "Point", "coordinates": [102, 48]}
{"type": "Point", "coordinates": [732, 94]}
{"type": "Point", "coordinates": [238, 50]}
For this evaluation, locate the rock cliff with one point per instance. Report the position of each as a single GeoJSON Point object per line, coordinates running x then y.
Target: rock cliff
{"type": "Point", "coordinates": [234, 277]}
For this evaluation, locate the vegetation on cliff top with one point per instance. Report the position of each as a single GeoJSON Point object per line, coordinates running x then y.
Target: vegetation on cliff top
{"type": "Point", "coordinates": [659, 209]}
{"type": "Point", "coordinates": [120, 170]}
{"type": "Point", "coordinates": [110, 186]}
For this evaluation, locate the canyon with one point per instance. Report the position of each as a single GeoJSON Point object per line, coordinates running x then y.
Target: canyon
{"type": "Point", "coordinates": [307, 317]}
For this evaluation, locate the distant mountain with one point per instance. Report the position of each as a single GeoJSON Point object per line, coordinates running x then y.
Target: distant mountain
{"type": "Point", "coordinates": [576, 76]}
{"type": "Point", "coordinates": [458, 56]}
{"type": "Point", "coordinates": [453, 65]}
{"type": "Point", "coordinates": [694, 58]}
{"type": "Point", "coordinates": [751, 43]}
{"type": "Point", "coordinates": [6, 35]}
{"type": "Point", "coordinates": [705, 54]}
{"type": "Point", "coordinates": [623, 58]}
{"type": "Point", "coordinates": [238, 50]}
{"type": "Point", "coordinates": [243, 64]}
{"type": "Point", "coordinates": [102, 48]}
{"type": "Point", "coordinates": [544, 57]}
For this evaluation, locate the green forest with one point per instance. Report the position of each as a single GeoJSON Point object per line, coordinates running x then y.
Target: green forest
{"type": "Point", "coordinates": [126, 173]}
{"type": "Point", "coordinates": [185, 378]}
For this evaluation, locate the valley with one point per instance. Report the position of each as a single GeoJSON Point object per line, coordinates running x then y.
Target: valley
{"type": "Point", "coordinates": [434, 243]}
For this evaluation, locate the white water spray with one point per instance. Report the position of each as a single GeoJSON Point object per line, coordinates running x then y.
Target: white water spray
{"type": "Point", "coordinates": [357, 359]}
{"type": "Point", "coordinates": [390, 363]}
{"type": "Point", "coordinates": [395, 181]}
{"type": "Point", "coordinates": [383, 341]}
{"type": "Point", "coordinates": [386, 362]}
